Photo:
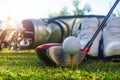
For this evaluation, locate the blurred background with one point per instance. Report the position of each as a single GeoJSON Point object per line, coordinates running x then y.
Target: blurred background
{"type": "Point", "coordinates": [13, 12]}
{"type": "Point", "coordinates": [22, 9]}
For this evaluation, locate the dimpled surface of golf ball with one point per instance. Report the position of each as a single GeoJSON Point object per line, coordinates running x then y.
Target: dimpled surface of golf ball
{"type": "Point", "coordinates": [71, 45]}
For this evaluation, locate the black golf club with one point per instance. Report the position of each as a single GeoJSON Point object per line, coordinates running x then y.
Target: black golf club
{"type": "Point", "coordinates": [89, 44]}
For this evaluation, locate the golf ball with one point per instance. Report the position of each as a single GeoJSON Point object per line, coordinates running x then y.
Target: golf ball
{"type": "Point", "coordinates": [71, 45]}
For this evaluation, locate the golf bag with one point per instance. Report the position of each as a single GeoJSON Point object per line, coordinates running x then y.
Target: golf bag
{"type": "Point", "coordinates": [52, 30]}
{"type": "Point", "coordinates": [40, 31]}
{"type": "Point", "coordinates": [111, 38]}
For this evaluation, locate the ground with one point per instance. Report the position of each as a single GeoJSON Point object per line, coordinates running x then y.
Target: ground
{"type": "Point", "coordinates": [25, 65]}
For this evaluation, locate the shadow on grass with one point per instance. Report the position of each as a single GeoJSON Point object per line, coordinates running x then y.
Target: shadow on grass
{"type": "Point", "coordinates": [96, 65]}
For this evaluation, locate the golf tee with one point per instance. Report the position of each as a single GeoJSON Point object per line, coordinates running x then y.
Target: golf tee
{"type": "Point", "coordinates": [72, 60]}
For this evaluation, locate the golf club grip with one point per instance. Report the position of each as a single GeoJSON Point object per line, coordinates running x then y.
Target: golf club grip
{"type": "Point", "coordinates": [89, 44]}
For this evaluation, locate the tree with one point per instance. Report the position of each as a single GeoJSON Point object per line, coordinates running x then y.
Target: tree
{"type": "Point", "coordinates": [62, 12]}
{"type": "Point", "coordinates": [87, 8]}
{"type": "Point", "coordinates": [76, 11]}
{"type": "Point", "coordinates": [53, 15]}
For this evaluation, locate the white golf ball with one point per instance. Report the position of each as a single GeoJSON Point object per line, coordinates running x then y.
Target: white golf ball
{"type": "Point", "coordinates": [71, 45]}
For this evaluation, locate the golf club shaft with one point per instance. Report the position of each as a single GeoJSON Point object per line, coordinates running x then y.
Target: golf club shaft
{"type": "Point", "coordinates": [89, 44]}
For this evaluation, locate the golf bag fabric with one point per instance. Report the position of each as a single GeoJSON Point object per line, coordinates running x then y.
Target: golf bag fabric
{"type": "Point", "coordinates": [111, 38]}
{"type": "Point", "coordinates": [40, 31]}
{"type": "Point", "coordinates": [88, 28]}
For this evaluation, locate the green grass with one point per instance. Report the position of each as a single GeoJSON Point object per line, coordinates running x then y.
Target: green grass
{"type": "Point", "coordinates": [25, 65]}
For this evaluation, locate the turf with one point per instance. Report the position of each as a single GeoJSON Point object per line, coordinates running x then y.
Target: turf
{"type": "Point", "coordinates": [25, 65]}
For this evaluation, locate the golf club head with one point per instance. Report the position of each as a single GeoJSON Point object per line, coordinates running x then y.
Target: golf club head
{"type": "Point", "coordinates": [53, 54]}
{"type": "Point", "coordinates": [42, 55]}
{"type": "Point", "coordinates": [57, 55]}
